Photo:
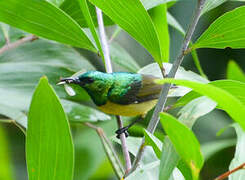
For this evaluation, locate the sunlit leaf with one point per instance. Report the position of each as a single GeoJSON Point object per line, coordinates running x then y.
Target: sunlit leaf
{"type": "Point", "coordinates": [185, 143]}
{"type": "Point", "coordinates": [159, 18]}
{"type": "Point", "coordinates": [49, 147]}
{"type": "Point", "coordinates": [37, 17]}
{"type": "Point", "coordinates": [222, 34]}
{"type": "Point", "coordinates": [235, 88]}
{"type": "Point", "coordinates": [134, 19]}
{"type": "Point", "coordinates": [231, 104]}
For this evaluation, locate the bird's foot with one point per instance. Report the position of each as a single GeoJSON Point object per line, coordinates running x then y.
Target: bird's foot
{"type": "Point", "coordinates": [121, 131]}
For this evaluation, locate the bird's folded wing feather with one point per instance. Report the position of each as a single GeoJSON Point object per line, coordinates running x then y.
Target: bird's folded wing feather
{"type": "Point", "coordinates": [138, 92]}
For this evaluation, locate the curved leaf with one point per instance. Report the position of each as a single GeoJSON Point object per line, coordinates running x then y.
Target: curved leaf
{"type": "Point", "coordinates": [185, 143]}
{"type": "Point", "coordinates": [49, 147]}
{"type": "Point", "coordinates": [134, 19]}
{"type": "Point", "coordinates": [235, 88]}
{"type": "Point", "coordinates": [232, 105]}
{"type": "Point", "coordinates": [226, 31]}
{"type": "Point", "coordinates": [45, 20]}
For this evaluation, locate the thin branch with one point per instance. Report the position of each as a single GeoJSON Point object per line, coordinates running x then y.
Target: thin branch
{"type": "Point", "coordinates": [108, 67]}
{"type": "Point", "coordinates": [103, 41]}
{"type": "Point", "coordinates": [124, 146]}
{"type": "Point", "coordinates": [9, 46]}
{"type": "Point", "coordinates": [228, 173]}
{"type": "Point", "coordinates": [163, 96]}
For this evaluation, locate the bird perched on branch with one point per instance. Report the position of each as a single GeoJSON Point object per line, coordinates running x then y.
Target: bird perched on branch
{"type": "Point", "coordinates": [119, 93]}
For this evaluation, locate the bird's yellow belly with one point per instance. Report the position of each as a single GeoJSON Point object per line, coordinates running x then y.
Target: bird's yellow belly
{"type": "Point", "coordinates": [128, 110]}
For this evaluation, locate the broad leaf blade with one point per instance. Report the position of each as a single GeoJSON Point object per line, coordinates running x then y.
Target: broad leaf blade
{"type": "Point", "coordinates": [85, 10]}
{"type": "Point", "coordinates": [233, 106]}
{"type": "Point", "coordinates": [235, 88]}
{"type": "Point", "coordinates": [72, 8]}
{"type": "Point", "coordinates": [185, 143]}
{"type": "Point", "coordinates": [45, 20]}
{"type": "Point", "coordinates": [226, 31]}
{"type": "Point", "coordinates": [134, 19]}
{"type": "Point", "coordinates": [49, 147]}
{"type": "Point", "coordinates": [159, 18]}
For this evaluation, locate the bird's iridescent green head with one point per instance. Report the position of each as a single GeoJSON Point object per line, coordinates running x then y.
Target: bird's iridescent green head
{"type": "Point", "coordinates": [95, 83]}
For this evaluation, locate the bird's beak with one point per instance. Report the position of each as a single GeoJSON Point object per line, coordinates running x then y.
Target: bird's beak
{"type": "Point", "coordinates": [66, 81]}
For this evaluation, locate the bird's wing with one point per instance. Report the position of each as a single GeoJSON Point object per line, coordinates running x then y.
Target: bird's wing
{"type": "Point", "coordinates": [138, 91]}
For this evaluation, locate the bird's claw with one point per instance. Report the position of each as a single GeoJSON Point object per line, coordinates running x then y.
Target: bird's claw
{"type": "Point", "coordinates": [121, 131]}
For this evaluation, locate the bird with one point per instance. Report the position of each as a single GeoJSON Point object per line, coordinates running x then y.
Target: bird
{"type": "Point", "coordinates": [119, 93]}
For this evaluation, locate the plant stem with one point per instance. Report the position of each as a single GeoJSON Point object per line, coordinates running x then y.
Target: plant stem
{"type": "Point", "coordinates": [108, 67]}
{"type": "Point", "coordinates": [226, 174]}
{"type": "Point", "coordinates": [124, 146]}
{"type": "Point", "coordinates": [9, 46]}
{"type": "Point", "coordinates": [103, 41]}
{"type": "Point", "coordinates": [163, 96]}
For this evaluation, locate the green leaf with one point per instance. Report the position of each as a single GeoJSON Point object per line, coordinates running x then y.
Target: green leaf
{"type": "Point", "coordinates": [134, 19]}
{"type": "Point", "coordinates": [235, 72]}
{"type": "Point", "coordinates": [5, 160]}
{"type": "Point", "coordinates": [226, 31]}
{"type": "Point", "coordinates": [78, 113]}
{"type": "Point", "coordinates": [37, 17]}
{"type": "Point", "coordinates": [185, 143]}
{"type": "Point", "coordinates": [49, 147]}
{"type": "Point", "coordinates": [154, 142]}
{"type": "Point", "coordinates": [211, 148]}
{"type": "Point", "coordinates": [239, 157]}
{"type": "Point", "coordinates": [235, 88]}
{"type": "Point", "coordinates": [159, 18]}
{"type": "Point", "coordinates": [232, 105]}
{"type": "Point", "coordinates": [85, 10]}
{"type": "Point", "coordinates": [120, 56]}
{"type": "Point", "coordinates": [72, 8]}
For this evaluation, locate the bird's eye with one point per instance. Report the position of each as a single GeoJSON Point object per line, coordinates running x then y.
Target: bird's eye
{"type": "Point", "coordinates": [88, 80]}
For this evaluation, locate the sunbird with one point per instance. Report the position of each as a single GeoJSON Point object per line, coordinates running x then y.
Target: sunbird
{"type": "Point", "coordinates": [119, 93]}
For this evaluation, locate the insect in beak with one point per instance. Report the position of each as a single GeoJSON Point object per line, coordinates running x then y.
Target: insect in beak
{"type": "Point", "coordinates": [66, 81]}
